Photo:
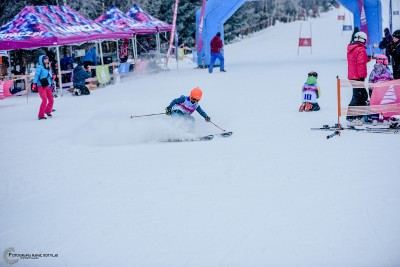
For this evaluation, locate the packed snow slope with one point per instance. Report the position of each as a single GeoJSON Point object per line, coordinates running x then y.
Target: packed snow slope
{"type": "Point", "coordinates": [99, 188]}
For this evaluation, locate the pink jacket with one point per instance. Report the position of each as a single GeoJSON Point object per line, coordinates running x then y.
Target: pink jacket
{"type": "Point", "coordinates": [356, 61]}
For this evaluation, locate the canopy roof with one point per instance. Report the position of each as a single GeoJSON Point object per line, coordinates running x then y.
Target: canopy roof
{"type": "Point", "coordinates": [139, 15]}
{"type": "Point", "coordinates": [40, 26]}
{"type": "Point", "coordinates": [116, 19]}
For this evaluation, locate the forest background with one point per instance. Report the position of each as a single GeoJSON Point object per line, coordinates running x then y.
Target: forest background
{"type": "Point", "coordinates": [252, 16]}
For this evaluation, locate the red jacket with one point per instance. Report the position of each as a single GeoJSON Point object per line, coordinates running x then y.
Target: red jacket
{"type": "Point", "coordinates": [356, 61]}
{"type": "Point", "coordinates": [216, 44]}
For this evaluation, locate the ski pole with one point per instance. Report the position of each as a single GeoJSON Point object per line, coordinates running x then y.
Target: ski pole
{"type": "Point", "coordinates": [218, 127]}
{"type": "Point", "coordinates": [146, 115]}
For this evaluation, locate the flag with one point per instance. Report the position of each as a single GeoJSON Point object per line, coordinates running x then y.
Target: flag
{"type": "Point", "coordinates": [176, 43]}
{"type": "Point", "coordinates": [171, 39]}
{"type": "Point", "coordinates": [363, 19]}
{"type": "Point", "coordinates": [388, 96]}
{"type": "Point", "coordinates": [5, 89]}
{"type": "Point", "coordinates": [200, 43]}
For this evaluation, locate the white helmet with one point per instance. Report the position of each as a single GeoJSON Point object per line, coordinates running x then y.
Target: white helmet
{"type": "Point", "coordinates": [360, 37]}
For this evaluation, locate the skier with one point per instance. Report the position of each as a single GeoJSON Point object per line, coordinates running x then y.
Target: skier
{"type": "Point", "coordinates": [184, 106]}
{"type": "Point", "coordinates": [311, 93]}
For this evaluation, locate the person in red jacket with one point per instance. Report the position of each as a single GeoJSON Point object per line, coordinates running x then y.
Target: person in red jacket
{"type": "Point", "coordinates": [357, 60]}
{"type": "Point", "coordinates": [216, 46]}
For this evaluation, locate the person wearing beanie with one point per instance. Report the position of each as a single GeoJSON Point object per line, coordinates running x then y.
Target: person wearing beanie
{"type": "Point", "coordinates": [42, 83]}
{"type": "Point", "coordinates": [216, 46]}
{"type": "Point", "coordinates": [394, 51]}
{"type": "Point", "coordinates": [386, 40]}
{"type": "Point", "coordinates": [80, 75]}
{"type": "Point", "coordinates": [310, 93]}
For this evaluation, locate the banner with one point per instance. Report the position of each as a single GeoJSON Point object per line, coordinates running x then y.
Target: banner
{"type": "Point", "coordinates": [347, 28]}
{"type": "Point", "coordinates": [200, 30]}
{"type": "Point", "coordinates": [388, 95]}
{"type": "Point", "coordinates": [363, 19]}
{"type": "Point", "coordinates": [123, 68]}
{"type": "Point", "coordinates": [304, 41]}
{"type": "Point", "coordinates": [102, 74]}
{"type": "Point", "coordinates": [5, 89]}
{"type": "Point", "coordinates": [171, 39]}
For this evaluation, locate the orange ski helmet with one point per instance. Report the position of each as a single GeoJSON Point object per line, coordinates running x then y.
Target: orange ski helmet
{"type": "Point", "coordinates": [196, 94]}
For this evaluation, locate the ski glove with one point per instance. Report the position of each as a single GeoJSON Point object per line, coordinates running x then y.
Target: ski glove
{"type": "Point", "coordinates": [168, 111]}
{"type": "Point", "coordinates": [208, 119]}
{"type": "Point", "coordinates": [34, 87]}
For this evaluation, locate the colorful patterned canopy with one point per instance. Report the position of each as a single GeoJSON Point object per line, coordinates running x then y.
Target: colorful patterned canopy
{"type": "Point", "coordinates": [138, 14]}
{"type": "Point", "coordinates": [116, 19]}
{"type": "Point", "coordinates": [41, 26]}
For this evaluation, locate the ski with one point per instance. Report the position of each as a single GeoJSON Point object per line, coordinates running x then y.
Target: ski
{"type": "Point", "coordinates": [391, 129]}
{"type": "Point", "coordinates": [190, 139]}
{"type": "Point", "coordinates": [199, 138]}
{"type": "Point", "coordinates": [224, 134]}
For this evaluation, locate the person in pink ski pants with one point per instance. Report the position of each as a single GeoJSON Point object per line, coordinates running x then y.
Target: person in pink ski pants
{"type": "Point", "coordinates": [43, 81]}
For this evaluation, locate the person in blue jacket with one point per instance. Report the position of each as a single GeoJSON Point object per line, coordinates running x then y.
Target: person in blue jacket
{"type": "Point", "coordinates": [80, 75]}
{"type": "Point", "coordinates": [90, 59]}
{"type": "Point", "coordinates": [42, 83]}
{"type": "Point", "coordinates": [184, 106]}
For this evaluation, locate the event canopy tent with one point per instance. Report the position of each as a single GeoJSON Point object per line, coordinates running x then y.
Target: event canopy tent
{"type": "Point", "coordinates": [116, 19]}
{"type": "Point", "coordinates": [41, 26]}
{"type": "Point", "coordinates": [138, 14]}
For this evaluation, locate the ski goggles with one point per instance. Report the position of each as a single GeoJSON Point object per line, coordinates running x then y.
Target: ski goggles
{"type": "Point", "coordinates": [194, 99]}
{"type": "Point", "coordinates": [313, 73]}
{"type": "Point", "coordinates": [384, 61]}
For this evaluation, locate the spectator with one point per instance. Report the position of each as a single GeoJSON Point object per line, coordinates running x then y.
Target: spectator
{"type": "Point", "coordinates": [43, 81]}
{"type": "Point", "coordinates": [80, 75]}
{"type": "Point", "coordinates": [123, 53]}
{"type": "Point", "coordinates": [356, 29]}
{"type": "Point", "coordinates": [311, 92]}
{"type": "Point", "coordinates": [394, 51]}
{"type": "Point", "coordinates": [357, 71]}
{"type": "Point", "coordinates": [67, 62]}
{"type": "Point", "coordinates": [90, 59]}
{"type": "Point", "coordinates": [380, 73]}
{"type": "Point", "coordinates": [385, 42]}
{"type": "Point", "coordinates": [216, 46]}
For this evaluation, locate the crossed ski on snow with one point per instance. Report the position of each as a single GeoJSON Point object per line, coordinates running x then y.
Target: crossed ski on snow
{"type": "Point", "coordinates": [394, 128]}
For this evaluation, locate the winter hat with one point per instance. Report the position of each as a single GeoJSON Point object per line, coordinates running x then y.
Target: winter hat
{"type": "Point", "coordinates": [218, 34]}
{"type": "Point", "coordinates": [396, 34]}
{"type": "Point", "coordinates": [311, 80]}
{"type": "Point", "coordinates": [386, 30]}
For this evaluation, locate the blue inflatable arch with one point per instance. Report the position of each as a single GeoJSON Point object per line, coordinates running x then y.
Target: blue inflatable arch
{"type": "Point", "coordinates": [217, 13]}
{"type": "Point", "coordinates": [373, 12]}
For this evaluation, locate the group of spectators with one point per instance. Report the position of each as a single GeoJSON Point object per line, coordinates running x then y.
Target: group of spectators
{"type": "Point", "coordinates": [357, 68]}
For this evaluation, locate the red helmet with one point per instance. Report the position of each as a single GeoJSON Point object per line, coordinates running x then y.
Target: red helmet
{"type": "Point", "coordinates": [196, 94]}
{"type": "Point", "coordinates": [382, 59]}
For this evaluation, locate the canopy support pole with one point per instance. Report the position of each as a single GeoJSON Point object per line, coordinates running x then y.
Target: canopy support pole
{"type": "Point", "coordinates": [158, 42]}
{"type": "Point", "coordinates": [117, 50]}
{"type": "Point", "coordinates": [101, 53]}
{"type": "Point", "coordinates": [59, 70]}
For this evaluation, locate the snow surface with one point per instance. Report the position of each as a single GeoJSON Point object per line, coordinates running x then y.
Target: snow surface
{"type": "Point", "coordinates": [98, 189]}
